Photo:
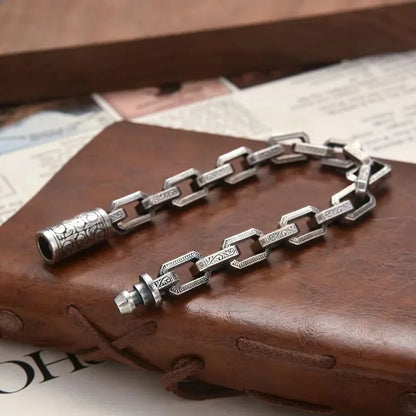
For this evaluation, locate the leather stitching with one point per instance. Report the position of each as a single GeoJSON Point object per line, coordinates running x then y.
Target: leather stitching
{"type": "Point", "coordinates": [115, 349]}
{"type": "Point", "coordinates": [252, 347]}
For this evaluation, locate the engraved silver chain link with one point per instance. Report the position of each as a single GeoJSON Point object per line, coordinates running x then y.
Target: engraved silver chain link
{"type": "Point", "coordinates": [347, 205]}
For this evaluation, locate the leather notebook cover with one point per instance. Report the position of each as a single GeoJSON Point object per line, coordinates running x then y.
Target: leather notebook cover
{"type": "Point", "coordinates": [328, 327]}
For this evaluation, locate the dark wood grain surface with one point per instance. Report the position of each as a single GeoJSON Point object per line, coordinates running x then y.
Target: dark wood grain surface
{"type": "Point", "coordinates": [51, 49]}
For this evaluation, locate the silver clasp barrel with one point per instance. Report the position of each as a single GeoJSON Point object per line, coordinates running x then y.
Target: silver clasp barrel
{"type": "Point", "coordinates": [76, 234]}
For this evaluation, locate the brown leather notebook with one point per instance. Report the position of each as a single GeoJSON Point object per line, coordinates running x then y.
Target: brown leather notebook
{"type": "Point", "coordinates": [331, 327]}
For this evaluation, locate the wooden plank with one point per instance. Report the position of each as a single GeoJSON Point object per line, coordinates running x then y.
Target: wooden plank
{"type": "Point", "coordinates": [51, 49]}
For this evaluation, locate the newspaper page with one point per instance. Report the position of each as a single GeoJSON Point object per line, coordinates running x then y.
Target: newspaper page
{"type": "Point", "coordinates": [40, 164]}
{"type": "Point", "coordinates": [371, 99]}
{"type": "Point", "coordinates": [34, 124]}
{"type": "Point", "coordinates": [39, 382]}
{"type": "Point", "coordinates": [42, 138]}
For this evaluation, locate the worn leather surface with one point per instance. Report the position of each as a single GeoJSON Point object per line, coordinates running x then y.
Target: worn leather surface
{"type": "Point", "coordinates": [332, 326]}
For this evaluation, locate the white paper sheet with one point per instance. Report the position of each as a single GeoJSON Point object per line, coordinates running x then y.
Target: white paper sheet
{"type": "Point", "coordinates": [372, 99]}
{"type": "Point", "coordinates": [38, 124]}
{"type": "Point", "coordinates": [105, 389]}
{"type": "Point", "coordinates": [44, 137]}
{"type": "Point", "coordinates": [23, 173]}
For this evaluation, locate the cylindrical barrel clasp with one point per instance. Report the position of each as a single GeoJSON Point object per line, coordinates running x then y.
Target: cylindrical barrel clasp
{"type": "Point", "coordinates": [73, 235]}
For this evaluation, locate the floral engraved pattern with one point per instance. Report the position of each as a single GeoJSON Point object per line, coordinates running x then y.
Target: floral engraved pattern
{"type": "Point", "coordinates": [166, 281]}
{"type": "Point", "coordinates": [218, 259]}
{"type": "Point", "coordinates": [279, 235]}
{"type": "Point", "coordinates": [80, 232]}
{"type": "Point", "coordinates": [161, 197]}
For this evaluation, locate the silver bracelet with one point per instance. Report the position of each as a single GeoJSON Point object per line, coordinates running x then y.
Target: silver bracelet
{"type": "Point", "coordinates": [90, 228]}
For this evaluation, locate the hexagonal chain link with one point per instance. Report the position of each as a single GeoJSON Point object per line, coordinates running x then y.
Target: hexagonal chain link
{"type": "Point", "coordinates": [348, 205]}
{"type": "Point", "coordinates": [192, 256]}
{"type": "Point", "coordinates": [247, 171]}
{"type": "Point", "coordinates": [313, 233]}
{"type": "Point", "coordinates": [289, 141]}
{"type": "Point", "coordinates": [197, 191]}
{"type": "Point", "coordinates": [118, 214]}
{"type": "Point", "coordinates": [252, 233]}
{"type": "Point", "coordinates": [360, 206]}
{"type": "Point", "coordinates": [379, 172]}
{"type": "Point", "coordinates": [338, 160]}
